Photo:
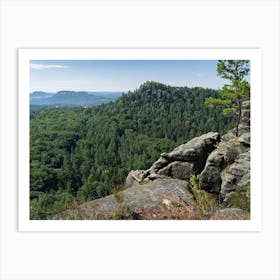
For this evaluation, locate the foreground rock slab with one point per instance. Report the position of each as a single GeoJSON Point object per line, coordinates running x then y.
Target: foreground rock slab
{"type": "Point", "coordinates": [158, 200]}
{"type": "Point", "coordinates": [230, 214]}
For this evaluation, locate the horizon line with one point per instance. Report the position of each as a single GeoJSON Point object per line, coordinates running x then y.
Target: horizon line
{"type": "Point", "coordinates": [54, 92]}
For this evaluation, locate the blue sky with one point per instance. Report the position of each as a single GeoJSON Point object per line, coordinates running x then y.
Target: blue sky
{"type": "Point", "coordinates": [120, 75]}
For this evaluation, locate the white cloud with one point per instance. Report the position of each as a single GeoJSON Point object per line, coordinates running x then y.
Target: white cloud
{"type": "Point", "coordinates": [45, 66]}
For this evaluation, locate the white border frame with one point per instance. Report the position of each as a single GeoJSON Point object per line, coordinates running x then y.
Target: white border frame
{"type": "Point", "coordinates": [24, 57]}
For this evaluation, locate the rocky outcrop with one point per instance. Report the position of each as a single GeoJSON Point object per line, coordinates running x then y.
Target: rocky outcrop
{"type": "Point", "coordinates": [222, 163]}
{"type": "Point", "coordinates": [227, 168]}
{"type": "Point", "coordinates": [236, 181]}
{"type": "Point", "coordinates": [219, 190]}
{"type": "Point", "coordinates": [244, 125]}
{"type": "Point", "coordinates": [185, 160]}
{"type": "Point", "coordinates": [224, 155]}
{"type": "Point", "coordinates": [134, 178]}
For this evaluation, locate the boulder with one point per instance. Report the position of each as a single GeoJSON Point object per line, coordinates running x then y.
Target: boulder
{"type": "Point", "coordinates": [245, 139]}
{"type": "Point", "coordinates": [134, 178]}
{"type": "Point", "coordinates": [157, 165]}
{"type": "Point", "coordinates": [195, 150]}
{"type": "Point", "coordinates": [210, 179]}
{"type": "Point", "coordinates": [225, 154]}
{"type": "Point", "coordinates": [178, 170]}
{"type": "Point", "coordinates": [185, 160]}
{"type": "Point", "coordinates": [228, 136]}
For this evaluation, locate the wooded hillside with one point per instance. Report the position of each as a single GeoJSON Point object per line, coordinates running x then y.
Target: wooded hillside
{"type": "Point", "coordinates": [80, 154]}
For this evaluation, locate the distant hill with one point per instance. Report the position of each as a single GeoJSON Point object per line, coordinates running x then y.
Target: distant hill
{"type": "Point", "coordinates": [75, 98]}
{"type": "Point", "coordinates": [41, 94]}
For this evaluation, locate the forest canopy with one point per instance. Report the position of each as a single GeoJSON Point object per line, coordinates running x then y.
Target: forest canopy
{"type": "Point", "coordinates": [79, 154]}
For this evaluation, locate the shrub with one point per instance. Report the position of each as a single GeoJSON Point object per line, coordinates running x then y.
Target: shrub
{"type": "Point", "coordinates": [206, 203]}
{"type": "Point", "coordinates": [118, 195]}
{"type": "Point", "coordinates": [240, 198]}
{"type": "Point", "coordinates": [124, 213]}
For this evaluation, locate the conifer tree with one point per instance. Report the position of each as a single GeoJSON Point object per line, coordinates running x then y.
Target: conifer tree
{"type": "Point", "coordinates": [235, 91]}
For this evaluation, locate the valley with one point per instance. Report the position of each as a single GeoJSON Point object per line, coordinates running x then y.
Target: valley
{"type": "Point", "coordinates": [80, 154]}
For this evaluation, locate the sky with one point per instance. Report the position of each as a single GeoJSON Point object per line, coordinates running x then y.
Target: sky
{"type": "Point", "coordinates": [120, 75]}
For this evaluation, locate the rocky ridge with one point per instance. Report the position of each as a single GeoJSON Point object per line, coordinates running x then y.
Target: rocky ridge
{"type": "Point", "coordinates": [205, 178]}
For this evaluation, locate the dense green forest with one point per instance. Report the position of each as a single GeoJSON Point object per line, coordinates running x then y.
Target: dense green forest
{"type": "Point", "coordinates": [80, 154]}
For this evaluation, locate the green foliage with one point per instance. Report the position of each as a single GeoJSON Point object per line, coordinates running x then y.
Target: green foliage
{"type": "Point", "coordinates": [44, 205]}
{"type": "Point", "coordinates": [91, 190]}
{"type": "Point", "coordinates": [211, 102]}
{"type": "Point", "coordinates": [124, 213]}
{"type": "Point", "coordinates": [194, 181]}
{"type": "Point", "coordinates": [206, 203]}
{"type": "Point", "coordinates": [228, 111]}
{"type": "Point", "coordinates": [84, 153]}
{"type": "Point", "coordinates": [118, 195]}
{"type": "Point", "coordinates": [238, 89]}
{"type": "Point", "coordinates": [240, 198]}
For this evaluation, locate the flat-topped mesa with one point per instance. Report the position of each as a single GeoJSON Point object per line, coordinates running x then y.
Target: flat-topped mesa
{"type": "Point", "coordinates": [181, 163]}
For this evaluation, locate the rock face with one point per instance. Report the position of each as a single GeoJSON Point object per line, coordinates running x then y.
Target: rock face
{"type": "Point", "coordinates": [134, 178]}
{"type": "Point", "coordinates": [185, 160]}
{"type": "Point", "coordinates": [227, 168]}
{"type": "Point", "coordinates": [224, 155]}
{"type": "Point", "coordinates": [244, 126]}
{"type": "Point", "coordinates": [236, 181]}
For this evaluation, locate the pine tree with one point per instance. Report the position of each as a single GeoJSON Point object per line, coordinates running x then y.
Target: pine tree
{"type": "Point", "coordinates": [233, 93]}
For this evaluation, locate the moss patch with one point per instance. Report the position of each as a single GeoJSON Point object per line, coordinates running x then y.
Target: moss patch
{"type": "Point", "coordinates": [240, 198]}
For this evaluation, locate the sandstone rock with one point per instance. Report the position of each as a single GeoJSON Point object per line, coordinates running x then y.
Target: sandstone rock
{"type": "Point", "coordinates": [236, 180]}
{"type": "Point", "coordinates": [228, 136]}
{"type": "Point", "coordinates": [163, 198]}
{"type": "Point", "coordinates": [230, 214]}
{"type": "Point", "coordinates": [245, 139]}
{"type": "Point", "coordinates": [160, 163]}
{"type": "Point", "coordinates": [244, 126]}
{"type": "Point", "coordinates": [185, 160]}
{"type": "Point", "coordinates": [210, 179]}
{"type": "Point", "coordinates": [195, 149]}
{"type": "Point", "coordinates": [226, 153]}
{"type": "Point", "coordinates": [178, 170]}
{"type": "Point", "coordinates": [236, 174]}
{"type": "Point", "coordinates": [233, 149]}
{"type": "Point", "coordinates": [245, 117]}
{"type": "Point", "coordinates": [153, 176]}
{"type": "Point", "coordinates": [133, 178]}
